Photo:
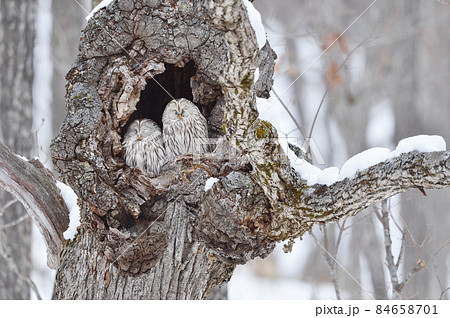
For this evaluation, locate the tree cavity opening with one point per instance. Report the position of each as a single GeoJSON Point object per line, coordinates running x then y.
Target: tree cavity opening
{"type": "Point", "coordinates": [174, 83]}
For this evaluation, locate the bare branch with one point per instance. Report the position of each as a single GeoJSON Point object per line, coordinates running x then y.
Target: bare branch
{"type": "Point", "coordinates": [402, 250]}
{"type": "Point", "coordinates": [331, 81]}
{"type": "Point", "coordinates": [331, 263]}
{"type": "Point", "coordinates": [13, 266]}
{"type": "Point", "coordinates": [419, 266]}
{"type": "Point", "coordinates": [342, 229]}
{"type": "Point", "coordinates": [396, 287]}
{"type": "Point", "coordinates": [7, 205]}
{"type": "Point", "coordinates": [331, 258]}
{"type": "Point", "coordinates": [15, 222]}
{"type": "Point", "coordinates": [35, 187]}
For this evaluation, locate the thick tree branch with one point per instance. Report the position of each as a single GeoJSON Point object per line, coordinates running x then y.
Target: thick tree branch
{"type": "Point", "coordinates": [35, 187]}
{"type": "Point", "coordinates": [321, 203]}
{"type": "Point", "coordinates": [410, 170]}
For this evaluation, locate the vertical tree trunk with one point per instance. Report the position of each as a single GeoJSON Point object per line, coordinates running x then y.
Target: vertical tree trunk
{"type": "Point", "coordinates": [147, 237]}
{"type": "Point", "coordinates": [186, 270]}
{"type": "Point", "coordinates": [66, 32]}
{"type": "Point", "coordinates": [17, 33]}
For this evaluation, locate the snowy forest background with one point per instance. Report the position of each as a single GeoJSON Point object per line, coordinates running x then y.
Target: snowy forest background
{"type": "Point", "coordinates": [392, 84]}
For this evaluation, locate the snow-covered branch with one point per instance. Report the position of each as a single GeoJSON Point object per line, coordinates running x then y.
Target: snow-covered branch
{"type": "Point", "coordinates": [35, 187]}
{"type": "Point", "coordinates": [419, 170]}
{"type": "Point", "coordinates": [307, 205]}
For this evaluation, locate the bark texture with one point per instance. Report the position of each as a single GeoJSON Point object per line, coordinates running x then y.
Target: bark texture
{"type": "Point", "coordinates": [164, 233]}
{"type": "Point", "coordinates": [17, 33]}
{"type": "Point", "coordinates": [167, 237]}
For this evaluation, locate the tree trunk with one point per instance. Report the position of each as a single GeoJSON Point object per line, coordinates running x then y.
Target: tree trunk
{"type": "Point", "coordinates": [17, 33]}
{"type": "Point", "coordinates": [67, 23]}
{"type": "Point", "coordinates": [164, 237]}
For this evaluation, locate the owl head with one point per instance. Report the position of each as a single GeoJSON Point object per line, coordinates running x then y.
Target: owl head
{"type": "Point", "coordinates": [142, 129]}
{"type": "Point", "coordinates": [185, 130]}
{"type": "Point", "coordinates": [179, 110]}
{"type": "Point", "coordinates": [143, 146]}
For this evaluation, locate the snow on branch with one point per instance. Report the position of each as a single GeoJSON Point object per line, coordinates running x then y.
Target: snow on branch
{"type": "Point", "coordinates": [361, 161]}
{"type": "Point", "coordinates": [35, 187]}
{"type": "Point", "coordinates": [308, 205]}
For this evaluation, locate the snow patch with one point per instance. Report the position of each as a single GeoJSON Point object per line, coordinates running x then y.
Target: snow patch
{"type": "Point", "coordinates": [423, 143]}
{"type": "Point", "coordinates": [21, 157]}
{"type": "Point", "coordinates": [256, 22]}
{"type": "Point", "coordinates": [364, 160]}
{"type": "Point", "coordinates": [71, 199]}
{"type": "Point", "coordinates": [102, 4]}
{"type": "Point", "coordinates": [210, 182]}
{"type": "Point", "coordinates": [256, 75]}
{"type": "Point", "coordinates": [328, 176]}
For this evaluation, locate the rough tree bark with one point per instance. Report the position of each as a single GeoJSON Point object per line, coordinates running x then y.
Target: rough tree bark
{"type": "Point", "coordinates": [165, 237]}
{"type": "Point", "coordinates": [17, 33]}
{"type": "Point", "coordinates": [152, 238]}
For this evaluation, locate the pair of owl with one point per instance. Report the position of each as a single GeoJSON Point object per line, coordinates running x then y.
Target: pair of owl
{"type": "Point", "coordinates": [185, 131]}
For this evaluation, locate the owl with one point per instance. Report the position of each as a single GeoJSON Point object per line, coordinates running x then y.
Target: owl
{"type": "Point", "coordinates": [143, 146]}
{"type": "Point", "coordinates": [185, 130]}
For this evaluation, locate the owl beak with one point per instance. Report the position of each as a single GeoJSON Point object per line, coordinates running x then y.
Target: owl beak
{"type": "Point", "coordinates": [139, 137]}
{"type": "Point", "coordinates": [179, 115]}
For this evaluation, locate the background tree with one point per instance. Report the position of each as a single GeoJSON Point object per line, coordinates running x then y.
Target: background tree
{"type": "Point", "coordinates": [17, 34]}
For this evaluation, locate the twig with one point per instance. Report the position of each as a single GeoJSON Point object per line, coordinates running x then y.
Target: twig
{"type": "Point", "coordinates": [402, 250]}
{"type": "Point", "coordinates": [15, 222]}
{"type": "Point", "coordinates": [7, 205]}
{"type": "Point", "coordinates": [323, 250]}
{"type": "Point", "coordinates": [36, 136]}
{"type": "Point", "coordinates": [402, 246]}
{"type": "Point", "coordinates": [331, 81]}
{"type": "Point", "coordinates": [443, 291]}
{"type": "Point", "coordinates": [342, 228]}
{"type": "Point", "coordinates": [331, 261]}
{"type": "Point", "coordinates": [288, 111]}
{"type": "Point", "coordinates": [419, 266]}
{"type": "Point", "coordinates": [396, 286]}
{"type": "Point", "coordinates": [13, 266]}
